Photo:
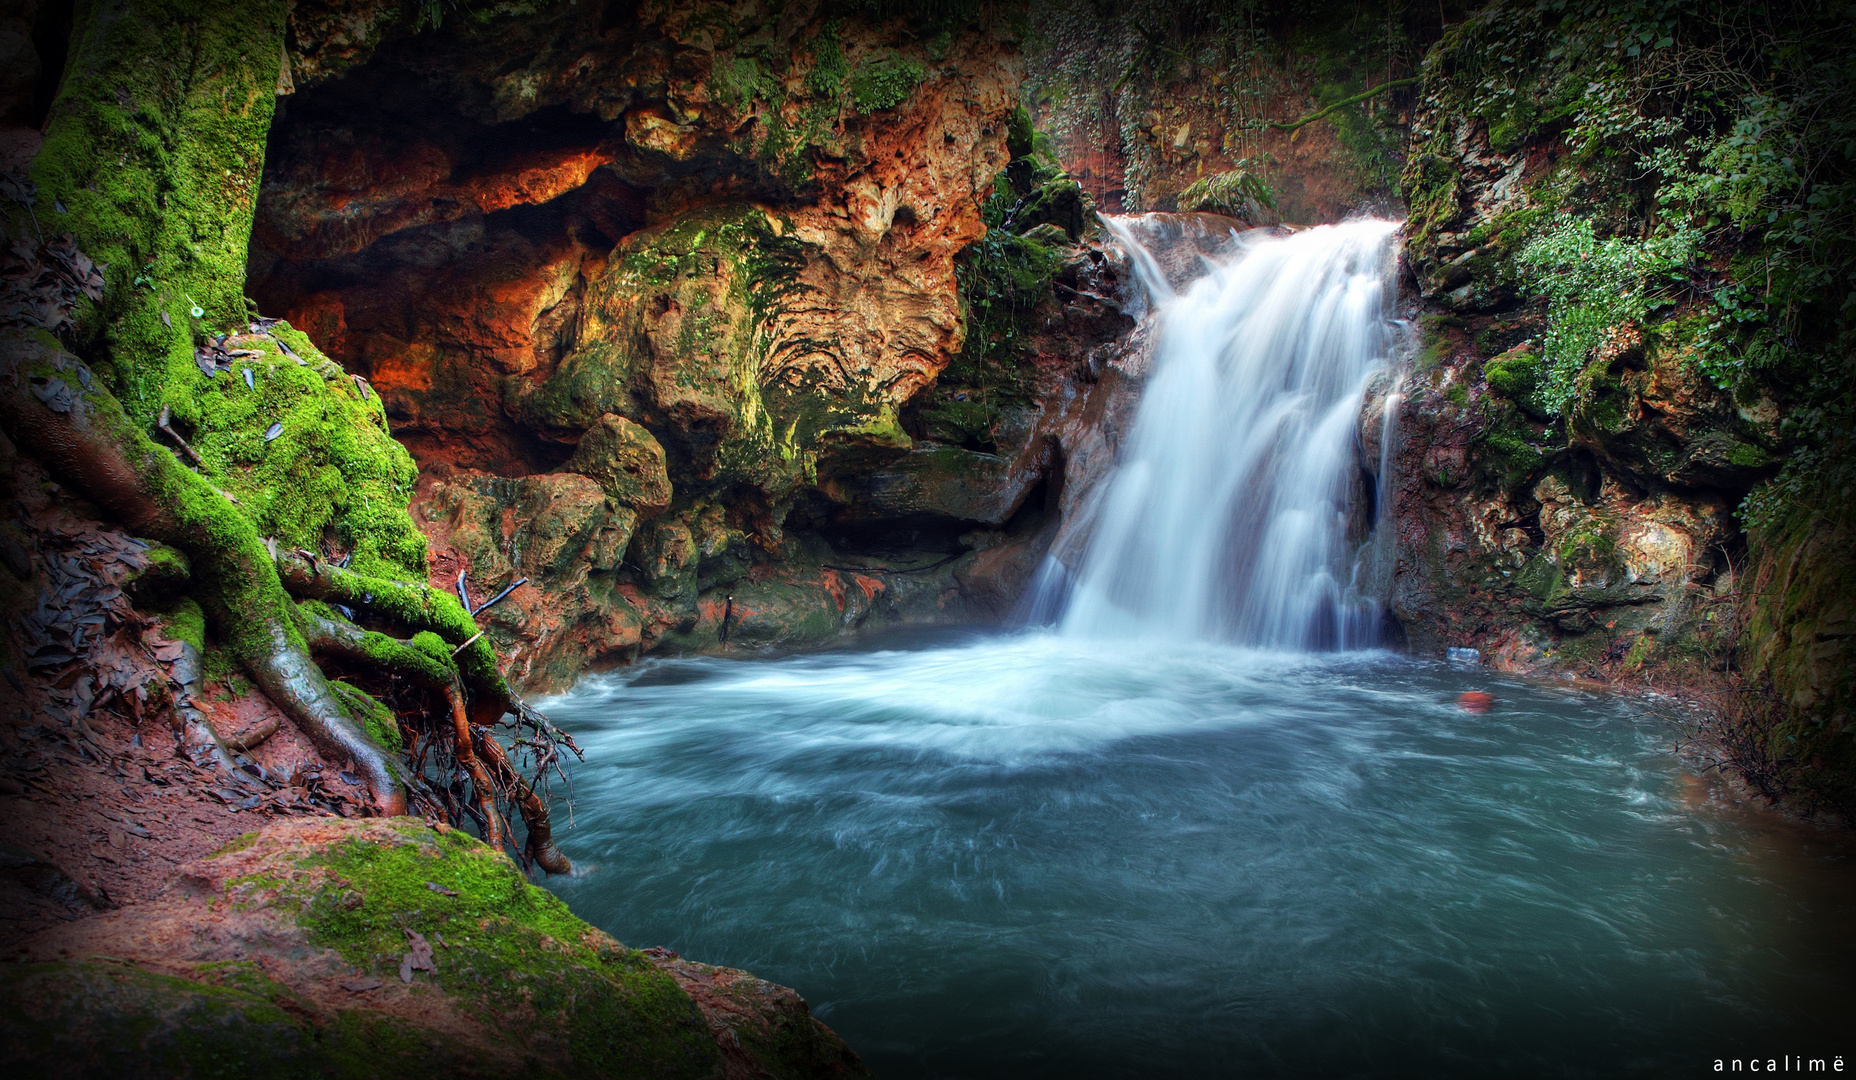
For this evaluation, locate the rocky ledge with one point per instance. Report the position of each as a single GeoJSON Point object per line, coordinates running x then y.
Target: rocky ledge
{"type": "Point", "coordinates": [382, 948]}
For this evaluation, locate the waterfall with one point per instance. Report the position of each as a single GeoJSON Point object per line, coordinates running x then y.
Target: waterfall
{"type": "Point", "coordinates": [1227, 517]}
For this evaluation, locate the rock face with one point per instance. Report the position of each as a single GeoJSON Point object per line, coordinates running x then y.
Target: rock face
{"type": "Point", "coordinates": [384, 948]}
{"type": "Point", "coordinates": [1582, 507]}
{"type": "Point", "coordinates": [1591, 542]}
{"type": "Point", "coordinates": [639, 288]}
{"type": "Point", "coordinates": [1147, 120]}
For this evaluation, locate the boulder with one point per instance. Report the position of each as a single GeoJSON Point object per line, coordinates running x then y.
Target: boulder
{"type": "Point", "coordinates": [626, 462]}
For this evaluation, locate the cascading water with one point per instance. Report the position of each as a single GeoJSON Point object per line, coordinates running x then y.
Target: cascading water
{"type": "Point", "coordinates": [1141, 847]}
{"type": "Point", "coordinates": [1228, 516]}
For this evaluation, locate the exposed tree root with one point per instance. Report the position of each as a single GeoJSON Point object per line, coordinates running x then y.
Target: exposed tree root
{"type": "Point", "coordinates": [253, 737]}
{"type": "Point", "coordinates": [533, 807]}
{"type": "Point", "coordinates": [471, 746]}
{"type": "Point", "coordinates": [414, 608]}
{"type": "Point", "coordinates": [78, 431]}
{"type": "Point", "coordinates": [198, 740]}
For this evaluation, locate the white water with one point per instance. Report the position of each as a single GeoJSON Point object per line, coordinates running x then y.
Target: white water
{"type": "Point", "coordinates": [1192, 849]}
{"type": "Point", "coordinates": [1227, 518]}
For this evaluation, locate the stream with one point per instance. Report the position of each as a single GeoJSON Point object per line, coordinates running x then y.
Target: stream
{"type": "Point", "coordinates": [1030, 855]}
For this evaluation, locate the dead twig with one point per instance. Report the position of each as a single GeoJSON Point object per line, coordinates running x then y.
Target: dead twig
{"type": "Point", "coordinates": [168, 430]}
{"type": "Point", "coordinates": [494, 600]}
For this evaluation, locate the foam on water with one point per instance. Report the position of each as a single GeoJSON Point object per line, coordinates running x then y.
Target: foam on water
{"type": "Point", "coordinates": [1165, 839]}
{"type": "Point", "coordinates": [1039, 856]}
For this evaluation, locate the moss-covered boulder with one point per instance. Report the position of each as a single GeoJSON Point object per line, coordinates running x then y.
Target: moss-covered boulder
{"type": "Point", "coordinates": [384, 948]}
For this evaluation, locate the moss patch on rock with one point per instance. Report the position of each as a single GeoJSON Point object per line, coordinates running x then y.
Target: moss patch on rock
{"type": "Point", "coordinates": [300, 971]}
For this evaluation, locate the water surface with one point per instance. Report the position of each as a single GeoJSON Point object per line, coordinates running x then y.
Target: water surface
{"type": "Point", "coordinates": [1030, 856]}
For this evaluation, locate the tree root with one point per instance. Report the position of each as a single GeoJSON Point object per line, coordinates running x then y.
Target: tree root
{"type": "Point", "coordinates": [254, 736]}
{"type": "Point", "coordinates": [413, 607]}
{"type": "Point", "coordinates": [198, 739]}
{"type": "Point", "coordinates": [462, 749]}
{"type": "Point", "coordinates": [471, 745]}
{"type": "Point", "coordinates": [78, 430]}
{"type": "Point", "coordinates": [533, 807]}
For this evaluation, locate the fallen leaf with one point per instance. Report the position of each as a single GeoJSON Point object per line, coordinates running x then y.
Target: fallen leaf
{"type": "Point", "coordinates": [417, 958]}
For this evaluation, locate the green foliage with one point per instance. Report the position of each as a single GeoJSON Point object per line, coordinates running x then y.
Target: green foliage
{"type": "Point", "coordinates": [884, 84]}
{"type": "Point", "coordinates": [828, 64]}
{"type": "Point", "coordinates": [1237, 192]}
{"type": "Point", "coordinates": [1817, 486]}
{"type": "Point", "coordinates": [1593, 285]}
{"type": "Point", "coordinates": [1002, 278]}
{"type": "Point", "coordinates": [927, 17]}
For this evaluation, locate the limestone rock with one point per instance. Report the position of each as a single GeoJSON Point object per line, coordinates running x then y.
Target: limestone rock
{"type": "Point", "coordinates": [626, 462]}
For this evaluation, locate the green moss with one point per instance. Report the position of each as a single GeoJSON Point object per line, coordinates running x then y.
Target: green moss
{"type": "Point", "coordinates": [236, 844]}
{"type": "Point", "coordinates": [961, 423]}
{"type": "Point", "coordinates": [1431, 186]}
{"type": "Point", "coordinates": [732, 272]}
{"type": "Point", "coordinates": [162, 579]}
{"type": "Point", "coordinates": [1749, 456]}
{"type": "Point", "coordinates": [333, 468]}
{"type": "Point", "coordinates": [510, 949]}
{"type": "Point", "coordinates": [1512, 451]}
{"type": "Point", "coordinates": [1513, 125]}
{"type": "Point", "coordinates": [1518, 376]}
{"type": "Point", "coordinates": [884, 84]}
{"type": "Point", "coordinates": [186, 622]}
{"type": "Point", "coordinates": [375, 719]}
{"type": "Point", "coordinates": [155, 145]}
{"type": "Point", "coordinates": [231, 1022]}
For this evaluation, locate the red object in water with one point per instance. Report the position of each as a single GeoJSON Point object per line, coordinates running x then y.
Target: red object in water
{"type": "Point", "coordinates": [1475, 701]}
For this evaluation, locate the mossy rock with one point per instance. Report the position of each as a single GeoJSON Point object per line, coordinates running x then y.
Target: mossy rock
{"type": "Point", "coordinates": [286, 954]}
{"type": "Point", "coordinates": [626, 462]}
{"type": "Point", "coordinates": [1517, 375]}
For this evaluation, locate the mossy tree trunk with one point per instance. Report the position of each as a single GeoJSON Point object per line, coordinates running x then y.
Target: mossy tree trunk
{"type": "Point", "coordinates": [152, 158]}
